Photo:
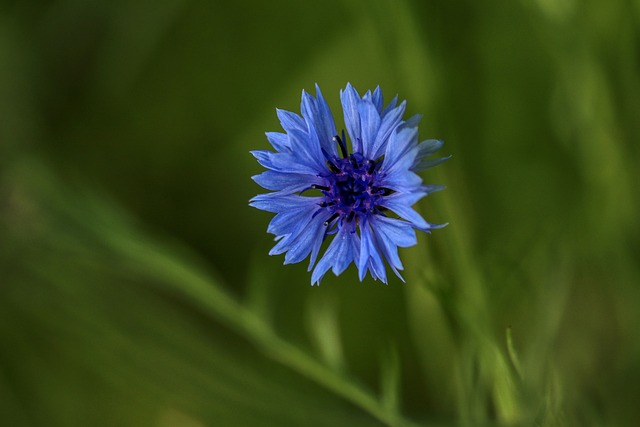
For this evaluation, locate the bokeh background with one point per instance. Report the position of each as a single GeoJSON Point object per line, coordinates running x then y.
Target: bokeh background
{"type": "Point", "coordinates": [135, 285]}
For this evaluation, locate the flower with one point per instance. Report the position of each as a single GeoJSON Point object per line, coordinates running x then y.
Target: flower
{"type": "Point", "coordinates": [321, 188]}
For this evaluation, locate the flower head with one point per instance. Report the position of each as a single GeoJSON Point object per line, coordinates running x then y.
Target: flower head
{"type": "Point", "coordinates": [363, 195]}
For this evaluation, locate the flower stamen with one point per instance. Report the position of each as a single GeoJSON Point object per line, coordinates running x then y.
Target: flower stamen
{"type": "Point", "coordinates": [330, 220]}
{"type": "Point", "coordinates": [342, 145]}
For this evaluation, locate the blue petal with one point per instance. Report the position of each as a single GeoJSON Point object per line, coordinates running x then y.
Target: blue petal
{"type": "Point", "coordinates": [319, 120]}
{"type": "Point", "coordinates": [311, 237]}
{"type": "Point", "coordinates": [399, 147]}
{"type": "Point", "coordinates": [325, 127]}
{"type": "Point", "coordinates": [303, 236]}
{"type": "Point", "coordinates": [428, 163]}
{"type": "Point", "coordinates": [279, 141]}
{"type": "Point", "coordinates": [285, 162]}
{"type": "Point", "coordinates": [394, 231]}
{"type": "Point", "coordinates": [369, 125]}
{"type": "Point", "coordinates": [264, 157]}
{"type": "Point", "coordinates": [304, 231]}
{"type": "Point", "coordinates": [390, 234]}
{"type": "Point", "coordinates": [378, 99]}
{"type": "Point", "coordinates": [340, 253]}
{"type": "Point", "coordinates": [289, 182]}
{"type": "Point", "coordinates": [305, 146]}
{"type": "Point", "coordinates": [369, 256]}
{"type": "Point", "coordinates": [377, 269]}
{"type": "Point", "coordinates": [399, 157]}
{"type": "Point", "coordinates": [401, 203]}
{"type": "Point", "coordinates": [278, 202]}
{"type": "Point", "coordinates": [290, 121]}
{"type": "Point", "coordinates": [412, 121]}
{"type": "Point", "coordinates": [315, 250]}
{"type": "Point", "coordinates": [287, 222]}
{"type": "Point", "coordinates": [402, 181]}
{"type": "Point", "coordinates": [428, 147]}
{"type": "Point", "coordinates": [389, 123]}
{"type": "Point", "coordinates": [391, 106]}
{"type": "Point", "coordinates": [347, 252]}
{"type": "Point", "coordinates": [350, 99]}
{"type": "Point", "coordinates": [433, 227]}
{"type": "Point", "coordinates": [432, 188]}
{"type": "Point", "coordinates": [366, 248]}
{"type": "Point", "coordinates": [367, 96]}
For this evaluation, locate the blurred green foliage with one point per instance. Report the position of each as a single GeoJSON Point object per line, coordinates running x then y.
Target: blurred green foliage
{"type": "Point", "coordinates": [135, 285]}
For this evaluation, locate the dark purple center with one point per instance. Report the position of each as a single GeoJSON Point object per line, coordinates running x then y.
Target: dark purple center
{"type": "Point", "coordinates": [353, 187]}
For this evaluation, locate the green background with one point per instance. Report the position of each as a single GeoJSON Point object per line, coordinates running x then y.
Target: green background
{"type": "Point", "coordinates": [135, 285]}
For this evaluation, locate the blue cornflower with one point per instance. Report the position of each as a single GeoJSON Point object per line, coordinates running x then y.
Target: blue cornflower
{"type": "Point", "coordinates": [321, 188]}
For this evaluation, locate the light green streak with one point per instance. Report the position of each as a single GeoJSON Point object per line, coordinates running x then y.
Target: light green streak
{"type": "Point", "coordinates": [201, 289]}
